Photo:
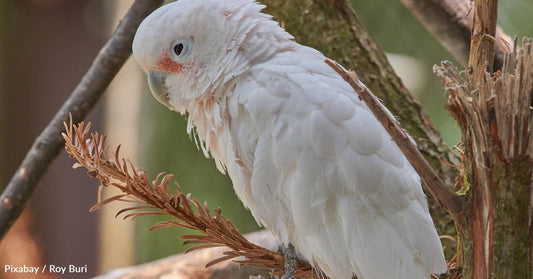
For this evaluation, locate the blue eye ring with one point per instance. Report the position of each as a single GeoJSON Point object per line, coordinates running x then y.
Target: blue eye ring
{"type": "Point", "coordinates": [180, 48]}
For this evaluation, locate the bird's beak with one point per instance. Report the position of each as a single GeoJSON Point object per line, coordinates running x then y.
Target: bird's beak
{"type": "Point", "coordinates": [156, 81]}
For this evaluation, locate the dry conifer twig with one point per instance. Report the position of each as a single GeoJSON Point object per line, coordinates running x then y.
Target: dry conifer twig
{"type": "Point", "coordinates": [157, 198]}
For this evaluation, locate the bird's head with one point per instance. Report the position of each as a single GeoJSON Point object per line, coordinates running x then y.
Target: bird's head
{"type": "Point", "coordinates": [191, 48]}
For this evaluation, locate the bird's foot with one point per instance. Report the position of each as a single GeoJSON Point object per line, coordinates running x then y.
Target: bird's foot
{"type": "Point", "coordinates": [291, 260]}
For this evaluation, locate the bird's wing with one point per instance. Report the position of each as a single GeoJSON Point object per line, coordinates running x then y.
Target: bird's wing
{"type": "Point", "coordinates": [325, 175]}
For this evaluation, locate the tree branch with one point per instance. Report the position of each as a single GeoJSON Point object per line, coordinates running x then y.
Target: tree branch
{"type": "Point", "coordinates": [483, 32]}
{"type": "Point", "coordinates": [450, 21]}
{"type": "Point", "coordinates": [192, 265]}
{"type": "Point", "coordinates": [495, 116]}
{"type": "Point", "coordinates": [449, 200]}
{"type": "Point", "coordinates": [47, 146]}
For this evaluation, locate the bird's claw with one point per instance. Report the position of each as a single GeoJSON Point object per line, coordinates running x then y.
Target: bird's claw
{"type": "Point", "coordinates": [290, 262]}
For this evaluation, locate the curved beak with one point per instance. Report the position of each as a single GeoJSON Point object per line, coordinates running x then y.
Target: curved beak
{"type": "Point", "coordinates": [156, 82]}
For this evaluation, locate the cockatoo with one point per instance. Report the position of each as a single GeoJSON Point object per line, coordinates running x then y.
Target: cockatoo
{"type": "Point", "coordinates": [306, 156]}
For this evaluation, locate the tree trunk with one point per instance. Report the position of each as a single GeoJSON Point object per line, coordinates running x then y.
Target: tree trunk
{"type": "Point", "coordinates": [494, 113]}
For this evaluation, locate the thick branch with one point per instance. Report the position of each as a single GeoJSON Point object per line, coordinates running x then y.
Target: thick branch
{"type": "Point", "coordinates": [495, 116]}
{"type": "Point", "coordinates": [450, 21]}
{"type": "Point", "coordinates": [449, 200]}
{"type": "Point", "coordinates": [192, 265]}
{"type": "Point", "coordinates": [483, 32]}
{"type": "Point", "coordinates": [47, 146]}
{"type": "Point", "coordinates": [483, 207]}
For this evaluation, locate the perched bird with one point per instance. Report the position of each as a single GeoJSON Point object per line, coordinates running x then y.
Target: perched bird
{"type": "Point", "coordinates": [305, 155]}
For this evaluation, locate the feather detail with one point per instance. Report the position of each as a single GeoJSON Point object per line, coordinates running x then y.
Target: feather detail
{"type": "Point", "coordinates": [338, 174]}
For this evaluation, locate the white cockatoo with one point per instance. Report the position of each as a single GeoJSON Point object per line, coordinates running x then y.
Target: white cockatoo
{"type": "Point", "coordinates": [304, 153]}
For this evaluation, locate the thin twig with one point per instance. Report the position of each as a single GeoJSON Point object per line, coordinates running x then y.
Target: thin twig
{"type": "Point", "coordinates": [47, 146]}
{"type": "Point", "coordinates": [450, 21]}
{"type": "Point", "coordinates": [450, 201]}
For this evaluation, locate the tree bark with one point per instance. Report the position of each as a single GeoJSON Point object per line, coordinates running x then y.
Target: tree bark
{"type": "Point", "coordinates": [450, 21]}
{"type": "Point", "coordinates": [483, 34]}
{"type": "Point", "coordinates": [192, 265]}
{"type": "Point", "coordinates": [495, 117]}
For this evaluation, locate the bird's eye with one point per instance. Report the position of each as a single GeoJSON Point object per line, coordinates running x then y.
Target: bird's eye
{"type": "Point", "coordinates": [181, 48]}
{"type": "Point", "coordinates": [178, 49]}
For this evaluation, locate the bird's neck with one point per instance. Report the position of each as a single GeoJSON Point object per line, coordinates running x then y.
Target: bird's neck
{"type": "Point", "coordinates": [208, 123]}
